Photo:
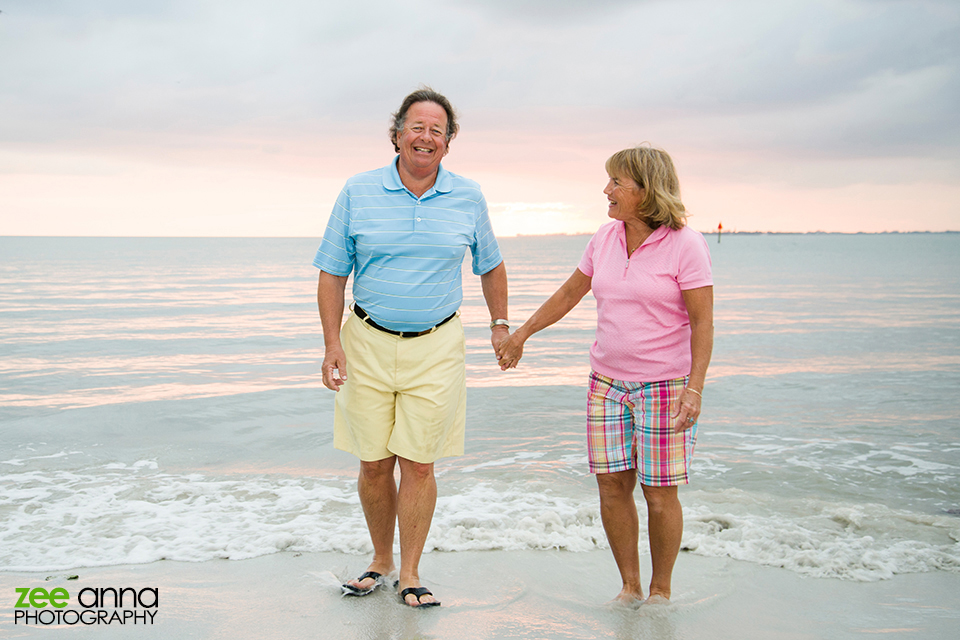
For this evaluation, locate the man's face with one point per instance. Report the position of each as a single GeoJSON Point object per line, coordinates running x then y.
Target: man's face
{"type": "Point", "coordinates": [423, 141]}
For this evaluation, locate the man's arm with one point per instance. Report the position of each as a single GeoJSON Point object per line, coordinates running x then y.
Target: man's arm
{"type": "Point", "coordinates": [330, 290]}
{"type": "Point", "coordinates": [494, 285]}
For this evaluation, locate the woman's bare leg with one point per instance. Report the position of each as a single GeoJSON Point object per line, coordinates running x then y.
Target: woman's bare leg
{"type": "Point", "coordinates": [618, 511]}
{"type": "Point", "coordinates": [665, 527]}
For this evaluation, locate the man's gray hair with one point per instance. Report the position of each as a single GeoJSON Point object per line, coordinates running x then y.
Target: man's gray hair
{"type": "Point", "coordinates": [423, 94]}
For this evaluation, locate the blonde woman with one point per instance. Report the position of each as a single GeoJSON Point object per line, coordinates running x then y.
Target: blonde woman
{"type": "Point", "coordinates": [651, 276]}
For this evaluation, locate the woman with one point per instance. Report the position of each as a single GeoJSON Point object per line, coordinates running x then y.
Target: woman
{"type": "Point", "coordinates": [650, 274]}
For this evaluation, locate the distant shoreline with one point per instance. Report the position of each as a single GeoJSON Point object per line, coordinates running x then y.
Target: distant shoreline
{"type": "Point", "coordinates": [762, 233]}
{"type": "Point", "coordinates": [519, 235]}
{"type": "Point", "coordinates": [825, 233]}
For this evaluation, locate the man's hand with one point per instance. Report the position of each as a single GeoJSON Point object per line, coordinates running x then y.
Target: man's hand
{"type": "Point", "coordinates": [334, 368]}
{"type": "Point", "coordinates": [498, 336]}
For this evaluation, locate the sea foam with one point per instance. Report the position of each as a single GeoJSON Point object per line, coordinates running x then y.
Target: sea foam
{"type": "Point", "coordinates": [131, 514]}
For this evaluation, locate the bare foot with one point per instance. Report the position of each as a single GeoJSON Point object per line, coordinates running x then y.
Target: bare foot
{"type": "Point", "coordinates": [628, 598]}
{"type": "Point", "coordinates": [657, 598]}
{"type": "Point", "coordinates": [369, 583]}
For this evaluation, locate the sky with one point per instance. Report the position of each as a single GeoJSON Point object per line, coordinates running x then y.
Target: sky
{"type": "Point", "coordinates": [239, 118]}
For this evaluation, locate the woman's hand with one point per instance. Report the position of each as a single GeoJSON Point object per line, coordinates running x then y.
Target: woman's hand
{"type": "Point", "coordinates": [685, 410]}
{"type": "Point", "coordinates": [510, 352]}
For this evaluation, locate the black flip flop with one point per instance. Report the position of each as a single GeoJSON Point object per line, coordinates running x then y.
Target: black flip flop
{"type": "Point", "coordinates": [419, 592]}
{"type": "Point", "coordinates": [350, 590]}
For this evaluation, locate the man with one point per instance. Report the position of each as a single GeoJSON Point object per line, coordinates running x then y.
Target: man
{"type": "Point", "coordinates": [397, 363]}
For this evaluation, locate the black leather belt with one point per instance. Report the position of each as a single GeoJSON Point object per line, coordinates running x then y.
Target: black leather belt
{"type": "Point", "coordinates": [403, 334]}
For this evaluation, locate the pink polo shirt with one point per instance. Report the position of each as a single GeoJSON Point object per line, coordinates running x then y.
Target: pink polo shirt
{"type": "Point", "coordinates": [643, 330]}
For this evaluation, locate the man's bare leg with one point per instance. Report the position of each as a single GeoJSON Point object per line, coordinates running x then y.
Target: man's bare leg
{"type": "Point", "coordinates": [618, 511]}
{"type": "Point", "coordinates": [416, 501]}
{"type": "Point", "coordinates": [665, 524]}
{"type": "Point", "coordinates": [378, 496]}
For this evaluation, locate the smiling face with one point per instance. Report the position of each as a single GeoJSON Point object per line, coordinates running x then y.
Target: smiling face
{"type": "Point", "coordinates": [625, 197]}
{"type": "Point", "coordinates": [423, 141]}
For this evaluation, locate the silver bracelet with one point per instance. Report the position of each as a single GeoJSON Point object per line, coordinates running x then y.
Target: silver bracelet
{"type": "Point", "coordinates": [499, 322]}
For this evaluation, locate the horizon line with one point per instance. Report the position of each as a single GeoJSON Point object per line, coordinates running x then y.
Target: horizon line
{"type": "Point", "coordinates": [518, 235]}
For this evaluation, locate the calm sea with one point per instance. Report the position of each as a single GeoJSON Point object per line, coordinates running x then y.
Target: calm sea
{"type": "Point", "coordinates": [161, 398]}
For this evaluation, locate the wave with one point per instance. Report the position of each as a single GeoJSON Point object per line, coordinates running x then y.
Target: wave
{"type": "Point", "coordinates": [134, 514]}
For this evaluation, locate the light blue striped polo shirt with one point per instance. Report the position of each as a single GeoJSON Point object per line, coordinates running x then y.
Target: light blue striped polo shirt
{"type": "Point", "coordinates": [406, 251]}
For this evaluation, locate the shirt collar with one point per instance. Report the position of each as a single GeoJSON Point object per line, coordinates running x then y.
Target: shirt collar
{"type": "Point", "coordinates": [392, 181]}
{"type": "Point", "coordinates": [658, 234]}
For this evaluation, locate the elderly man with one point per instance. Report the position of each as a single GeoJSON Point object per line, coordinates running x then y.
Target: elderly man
{"type": "Point", "coordinates": [397, 363]}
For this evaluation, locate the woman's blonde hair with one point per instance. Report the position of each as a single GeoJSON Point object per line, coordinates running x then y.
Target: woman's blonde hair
{"type": "Point", "coordinates": [652, 169]}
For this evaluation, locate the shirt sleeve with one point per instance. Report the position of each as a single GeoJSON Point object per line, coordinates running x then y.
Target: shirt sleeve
{"type": "Point", "coordinates": [586, 262]}
{"type": "Point", "coordinates": [485, 249]}
{"type": "Point", "coordinates": [694, 265]}
{"type": "Point", "coordinates": [337, 253]}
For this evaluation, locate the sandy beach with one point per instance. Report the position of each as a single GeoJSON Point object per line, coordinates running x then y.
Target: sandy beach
{"type": "Point", "coordinates": [547, 594]}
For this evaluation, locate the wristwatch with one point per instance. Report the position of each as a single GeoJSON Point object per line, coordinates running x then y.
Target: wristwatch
{"type": "Point", "coordinates": [499, 321]}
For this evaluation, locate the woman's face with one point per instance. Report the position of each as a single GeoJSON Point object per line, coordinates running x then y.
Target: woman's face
{"type": "Point", "coordinates": [624, 196]}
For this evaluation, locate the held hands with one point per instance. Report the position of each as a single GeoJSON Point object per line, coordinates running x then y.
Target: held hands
{"type": "Point", "coordinates": [510, 352]}
{"type": "Point", "coordinates": [499, 335]}
{"type": "Point", "coordinates": [334, 368]}
{"type": "Point", "coordinates": [685, 410]}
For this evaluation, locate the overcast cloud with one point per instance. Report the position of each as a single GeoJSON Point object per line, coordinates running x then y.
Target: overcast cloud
{"type": "Point", "coordinates": [802, 93]}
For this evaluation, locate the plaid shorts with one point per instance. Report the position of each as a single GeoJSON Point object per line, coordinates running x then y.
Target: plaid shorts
{"type": "Point", "coordinates": [629, 427]}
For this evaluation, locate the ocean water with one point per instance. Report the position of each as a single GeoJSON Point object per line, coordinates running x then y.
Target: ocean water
{"type": "Point", "coordinates": [161, 399]}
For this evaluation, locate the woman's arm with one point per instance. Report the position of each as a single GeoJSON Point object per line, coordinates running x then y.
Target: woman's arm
{"type": "Point", "coordinates": [699, 304]}
{"type": "Point", "coordinates": [558, 305]}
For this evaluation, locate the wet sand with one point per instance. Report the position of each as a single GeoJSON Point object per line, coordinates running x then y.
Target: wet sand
{"type": "Point", "coordinates": [487, 595]}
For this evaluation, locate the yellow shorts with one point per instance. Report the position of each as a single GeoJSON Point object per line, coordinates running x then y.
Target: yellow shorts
{"type": "Point", "coordinates": [403, 396]}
